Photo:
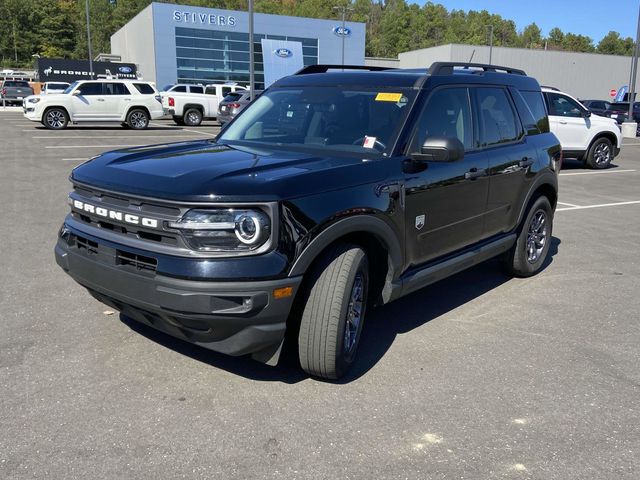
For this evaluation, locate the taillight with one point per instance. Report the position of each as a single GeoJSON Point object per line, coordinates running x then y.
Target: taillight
{"type": "Point", "coordinates": [234, 105]}
{"type": "Point", "coordinates": [172, 102]}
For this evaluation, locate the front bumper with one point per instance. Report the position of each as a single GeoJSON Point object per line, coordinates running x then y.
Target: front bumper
{"type": "Point", "coordinates": [231, 317]}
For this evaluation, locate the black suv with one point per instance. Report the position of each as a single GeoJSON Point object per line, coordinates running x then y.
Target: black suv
{"type": "Point", "coordinates": [334, 191]}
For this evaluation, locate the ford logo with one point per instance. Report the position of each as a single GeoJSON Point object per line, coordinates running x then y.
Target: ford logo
{"type": "Point", "coordinates": [342, 31]}
{"type": "Point", "coordinates": [125, 69]}
{"type": "Point", "coordinates": [283, 52]}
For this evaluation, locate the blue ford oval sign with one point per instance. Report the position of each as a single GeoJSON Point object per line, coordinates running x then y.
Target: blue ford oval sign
{"type": "Point", "coordinates": [283, 52]}
{"type": "Point", "coordinates": [125, 69]}
{"type": "Point", "coordinates": [342, 31]}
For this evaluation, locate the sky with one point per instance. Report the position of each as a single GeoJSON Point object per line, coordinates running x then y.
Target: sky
{"type": "Point", "coordinates": [594, 18]}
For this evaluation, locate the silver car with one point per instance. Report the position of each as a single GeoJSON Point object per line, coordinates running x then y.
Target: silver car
{"type": "Point", "coordinates": [233, 104]}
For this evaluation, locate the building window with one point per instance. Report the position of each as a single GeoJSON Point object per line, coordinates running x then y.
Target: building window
{"type": "Point", "coordinates": [211, 56]}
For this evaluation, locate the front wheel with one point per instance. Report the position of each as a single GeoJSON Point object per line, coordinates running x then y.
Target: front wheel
{"type": "Point", "coordinates": [600, 154]}
{"type": "Point", "coordinates": [334, 312]}
{"type": "Point", "coordinates": [527, 256]}
{"type": "Point", "coordinates": [55, 119]}
{"type": "Point", "coordinates": [138, 119]}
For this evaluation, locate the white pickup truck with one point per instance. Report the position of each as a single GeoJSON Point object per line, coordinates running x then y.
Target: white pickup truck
{"type": "Point", "coordinates": [190, 104]}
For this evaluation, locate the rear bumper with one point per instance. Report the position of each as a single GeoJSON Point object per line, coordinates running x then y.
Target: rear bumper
{"type": "Point", "coordinates": [231, 317]}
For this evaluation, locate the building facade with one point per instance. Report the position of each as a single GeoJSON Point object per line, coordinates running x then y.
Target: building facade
{"type": "Point", "coordinates": [175, 43]}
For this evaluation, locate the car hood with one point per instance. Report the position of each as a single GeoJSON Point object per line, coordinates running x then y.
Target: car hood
{"type": "Point", "coordinates": [600, 120]}
{"type": "Point", "coordinates": [206, 171]}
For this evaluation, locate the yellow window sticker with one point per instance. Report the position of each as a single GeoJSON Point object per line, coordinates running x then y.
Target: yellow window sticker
{"type": "Point", "coordinates": [388, 97]}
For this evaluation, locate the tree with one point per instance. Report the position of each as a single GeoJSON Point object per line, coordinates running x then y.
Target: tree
{"type": "Point", "coordinates": [556, 38]}
{"type": "Point", "coordinates": [577, 43]}
{"type": "Point", "coordinates": [613, 44]}
{"type": "Point", "coordinates": [531, 36]}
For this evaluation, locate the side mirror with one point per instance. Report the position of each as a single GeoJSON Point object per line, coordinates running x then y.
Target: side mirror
{"type": "Point", "coordinates": [440, 149]}
{"type": "Point", "coordinates": [76, 92]}
{"type": "Point", "coordinates": [586, 113]}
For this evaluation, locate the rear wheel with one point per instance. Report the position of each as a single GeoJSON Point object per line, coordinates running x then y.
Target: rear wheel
{"type": "Point", "coordinates": [530, 251]}
{"type": "Point", "coordinates": [138, 119]}
{"type": "Point", "coordinates": [55, 119]}
{"type": "Point", "coordinates": [193, 117]}
{"type": "Point", "coordinates": [334, 312]}
{"type": "Point", "coordinates": [600, 154]}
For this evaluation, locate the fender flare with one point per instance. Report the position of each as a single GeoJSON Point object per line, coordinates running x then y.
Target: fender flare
{"type": "Point", "coordinates": [359, 223]}
{"type": "Point", "coordinates": [547, 178]}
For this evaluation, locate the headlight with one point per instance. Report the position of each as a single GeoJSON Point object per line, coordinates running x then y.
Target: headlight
{"type": "Point", "coordinates": [34, 100]}
{"type": "Point", "coordinates": [225, 230]}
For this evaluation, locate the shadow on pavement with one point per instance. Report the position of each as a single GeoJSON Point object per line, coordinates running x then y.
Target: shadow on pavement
{"type": "Point", "coordinates": [382, 326]}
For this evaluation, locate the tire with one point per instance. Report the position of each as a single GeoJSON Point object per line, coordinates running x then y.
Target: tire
{"type": "Point", "coordinates": [600, 154]}
{"type": "Point", "coordinates": [124, 125]}
{"type": "Point", "coordinates": [138, 119]}
{"type": "Point", "coordinates": [331, 323]}
{"type": "Point", "coordinates": [192, 117]}
{"type": "Point", "coordinates": [55, 119]}
{"type": "Point", "coordinates": [178, 121]}
{"type": "Point", "coordinates": [527, 256]}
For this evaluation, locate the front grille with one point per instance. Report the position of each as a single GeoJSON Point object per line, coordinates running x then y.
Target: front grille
{"type": "Point", "coordinates": [140, 262]}
{"type": "Point", "coordinates": [85, 244]}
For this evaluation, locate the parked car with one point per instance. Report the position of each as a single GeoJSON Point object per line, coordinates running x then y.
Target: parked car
{"type": "Point", "coordinates": [190, 104]}
{"type": "Point", "coordinates": [14, 91]}
{"type": "Point", "coordinates": [333, 192]}
{"type": "Point", "coordinates": [54, 87]}
{"type": "Point", "coordinates": [233, 104]}
{"type": "Point", "coordinates": [184, 88]}
{"type": "Point", "coordinates": [129, 102]}
{"type": "Point", "coordinates": [599, 107]}
{"type": "Point", "coordinates": [593, 139]}
{"type": "Point", "coordinates": [619, 111]}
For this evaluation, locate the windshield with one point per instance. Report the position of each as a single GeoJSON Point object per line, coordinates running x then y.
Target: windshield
{"type": "Point", "coordinates": [341, 119]}
{"type": "Point", "coordinates": [70, 88]}
{"type": "Point", "coordinates": [57, 86]}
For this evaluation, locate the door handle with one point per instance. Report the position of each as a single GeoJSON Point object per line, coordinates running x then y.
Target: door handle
{"type": "Point", "coordinates": [475, 173]}
{"type": "Point", "coordinates": [562, 122]}
{"type": "Point", "coordinates": [100, 99]}
{"type": "Point", "coordinates": [526, 162]}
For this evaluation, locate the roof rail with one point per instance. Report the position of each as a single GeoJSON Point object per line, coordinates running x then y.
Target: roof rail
{"type": "Point", "coordinates": [325, 68]}
{"type": "Point", "coordinates": [446, 68]}
{"type": "Point", "coordinates": [550, 88]}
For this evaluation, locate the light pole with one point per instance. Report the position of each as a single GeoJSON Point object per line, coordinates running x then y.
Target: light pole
{"type": "Point", "coordinates": [629, 127]}
{"type": "Point", "coordinates": [251, 62]}
{"type": "Point", "coordinates": [89, 40]}
{"type": "Point", "coordinates": [343, 9]}
{"type": "Point", "coordinates": [490, 27]}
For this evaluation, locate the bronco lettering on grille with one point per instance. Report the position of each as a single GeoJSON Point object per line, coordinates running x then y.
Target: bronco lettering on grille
{"type": "Point", "coordinates": [114, 214]}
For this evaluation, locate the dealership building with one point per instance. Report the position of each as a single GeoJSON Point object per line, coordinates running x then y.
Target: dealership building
{"type": "Point", "coordinates": [181, 44]}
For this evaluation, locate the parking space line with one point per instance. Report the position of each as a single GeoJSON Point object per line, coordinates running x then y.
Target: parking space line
{"type": "Point", "coordinates": [67, 137]}
{"type": "Point", "coordinates": [617, 204]}
{"type": "Point", "coordinates": [188, 130]}
{"type": "Point", "coordinates": [96, 146]}
{"type": "Point", "coordinates": [568, 204]}
{"type": "Point", "coordinates": [595, 173]}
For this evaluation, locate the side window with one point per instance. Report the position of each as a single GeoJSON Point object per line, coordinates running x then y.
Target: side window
{"type": "Point", "coordinates": [446, 114]}
{"type": "Point", "coordinates": [195, 89]}
{"type": "Point", "coordinates": [115, 89]}
{"type": "Point", "coordinates": [180, 88]}
{"type": "Point", "coordinates": [535, 102]}
{"type": "Point", "coordinates": [562, 106]}
{"type": "Point", "coordinates": [144, 88]}
{"type": "Point", "coordinates": [210, 91]}
{"type": "Point", "coordinates": [226, 91]}
{"type": "Point", "coordinates": [498, 121]}
{"type": "Point", "coordinates": [90, 89]}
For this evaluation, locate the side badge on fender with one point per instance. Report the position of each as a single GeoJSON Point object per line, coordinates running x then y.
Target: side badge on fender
{"type": "Point", "coordinates": [420, 222]}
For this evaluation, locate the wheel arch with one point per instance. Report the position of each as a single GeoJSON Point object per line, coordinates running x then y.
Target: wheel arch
{"type": "Point", "coordinates": [196, 106]}
{"type": "Point", "coordinates": [546, 185]}
{"type": "Point", "coordinates": [376, 237]}
{"type": "Point", "coordinates": [608, 135]}
{"type": "Point", "coordinates": [61, 107]}
{"type": "Point", "coordinates": [137, 107]}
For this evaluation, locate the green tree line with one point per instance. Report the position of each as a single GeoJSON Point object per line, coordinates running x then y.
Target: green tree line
{"type": "Point", "coordinates": [57, 28]}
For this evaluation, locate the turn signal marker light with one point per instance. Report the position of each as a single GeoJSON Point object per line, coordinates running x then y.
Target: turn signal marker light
{"type": "Point", "coordinates": [282, 292]}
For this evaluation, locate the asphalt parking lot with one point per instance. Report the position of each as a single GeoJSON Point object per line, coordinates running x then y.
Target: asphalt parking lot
{"type": "Point", "coordinates": [478, 377]}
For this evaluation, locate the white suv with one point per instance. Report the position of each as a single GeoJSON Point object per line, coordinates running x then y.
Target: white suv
{"type": "Point", "coordinates": [129, 102]}
{"type": "Point", "coordinates": [591, 138]}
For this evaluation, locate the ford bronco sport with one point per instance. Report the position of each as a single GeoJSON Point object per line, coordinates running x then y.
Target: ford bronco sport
{"type": "Point", "coordinates": [336, 190]}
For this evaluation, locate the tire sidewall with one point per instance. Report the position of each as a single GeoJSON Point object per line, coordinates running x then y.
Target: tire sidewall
{"type": "Point", "coordinates": [591, 159]}
{"type": "Point", "coordinates": [524, 267]}
{"type": "Point", "coordinates": [190, 123]}
{"type": "Point", "coordinates": [130, 123]}
{"type": "Point", "coordinates": [64, 115]}
{"type": "Point", "coordinates": [344, 360]}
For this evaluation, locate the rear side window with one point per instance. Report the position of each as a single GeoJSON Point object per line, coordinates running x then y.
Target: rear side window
{"type": "Point", "coordinates": [144, 88]}
{"type": "Point", "coordinates": [232, 97]}
{"type": "Point", "coordinates": [226, 91]}
{"type": "Point", "coordinates": [196, 89]}
{"type": "Point", "coordinates": [446, 114]}
{"type": "Point", "coordinates": [535, 104]}
{"type": "Point", "coordinates": [180, 88]}
{"type": "Point", "coordinates": [115, 89]}
{"type": "Point", "coordinates": [210, 91]}
{"type": "Point", "coordinates": [498, 121]}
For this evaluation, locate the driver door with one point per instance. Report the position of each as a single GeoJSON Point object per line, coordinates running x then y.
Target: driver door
{"type": "Point", "coordinates": [568, 121]}
{"type": "Point", "coordinates": [445, 201]}
{"type": "Point", "coordinates": [89, 103]}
